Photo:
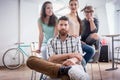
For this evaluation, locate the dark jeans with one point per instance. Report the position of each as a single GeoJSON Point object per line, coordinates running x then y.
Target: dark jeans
{"type": "Point", "coordinates": [89, 52]}
{"type": "Point", "coordinates": [90, 41]}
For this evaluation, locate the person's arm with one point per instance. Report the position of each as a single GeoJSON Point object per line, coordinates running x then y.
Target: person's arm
{"type": "Point", "coordinates": [40, 38]}
{"type": "Point", "coordinates": [82, 42]}
{"type": "Point", "coordinates": [63, 57]}
{"type": "Point", "coordinates": [93, 25]}
{"type": "Point", "coordinates": [58, 58]}
{"type": "Point", "coordinates": [71, 61]}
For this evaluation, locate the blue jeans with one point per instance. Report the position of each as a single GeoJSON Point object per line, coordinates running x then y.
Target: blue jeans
{"type": "Point", "coordinates": [89, 52]}
{"type": "Point", "coordinates": [43, 51]}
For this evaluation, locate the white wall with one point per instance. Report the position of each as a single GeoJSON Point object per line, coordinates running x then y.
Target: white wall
{"type": "Point", "coordinates": [117, 22]}
{"type": "Point", "coordinates": [102, 17]}
{"type": "Point", "coordinates": [117, 17]}
{"type": "Point", "coordinates": [9, 23]}
{"type": "Point", "coordinates": [29, 16]}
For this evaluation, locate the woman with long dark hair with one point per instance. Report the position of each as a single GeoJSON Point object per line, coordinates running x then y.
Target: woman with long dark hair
{"type": "Point", "coordinates": [46, 26]}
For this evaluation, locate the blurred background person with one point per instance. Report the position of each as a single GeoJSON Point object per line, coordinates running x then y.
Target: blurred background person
{"type": "Point", "coordinates": [76, 28]}
{"type": "Point", "coordinates": [46, 26]}
{"type": "Point", "coordinates": [89, 33]}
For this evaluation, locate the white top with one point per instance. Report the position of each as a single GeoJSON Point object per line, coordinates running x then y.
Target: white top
{"type": "Point", "coordinates": [74, 25]}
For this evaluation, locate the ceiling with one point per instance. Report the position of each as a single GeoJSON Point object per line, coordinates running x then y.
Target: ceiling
{"type": "Point", "coordinates": [95, 3]}
{"type": "Point", "coordinates": [64, 3]}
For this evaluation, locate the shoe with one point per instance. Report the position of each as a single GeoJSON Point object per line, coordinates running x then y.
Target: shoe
{"type": "Point", "coordinates": [92, 61]}
{"type": "Point", "coordinates": [64, 70]}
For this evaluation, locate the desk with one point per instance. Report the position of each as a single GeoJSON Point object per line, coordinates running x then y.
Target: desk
{"type": "Point", "coordinates": [112, 36]}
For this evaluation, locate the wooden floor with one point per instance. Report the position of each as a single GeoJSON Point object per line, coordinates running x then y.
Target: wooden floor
{"type": "Point", "coordinates": [24, 73]}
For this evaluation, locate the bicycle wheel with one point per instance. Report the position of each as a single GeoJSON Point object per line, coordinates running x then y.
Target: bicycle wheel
{"type": "Point", "coordinates": [13, 58]}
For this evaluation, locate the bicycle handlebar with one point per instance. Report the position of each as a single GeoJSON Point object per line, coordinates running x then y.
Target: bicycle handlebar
{"type": "Point", "coordinates": [19, 43]}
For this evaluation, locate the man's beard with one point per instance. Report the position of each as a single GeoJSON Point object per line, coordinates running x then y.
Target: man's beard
{"type": "Point", "coordinates": [63, 32]}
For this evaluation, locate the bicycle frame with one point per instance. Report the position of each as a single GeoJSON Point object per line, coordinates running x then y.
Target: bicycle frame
{"type": "Point", "coordinates": [20, 47]}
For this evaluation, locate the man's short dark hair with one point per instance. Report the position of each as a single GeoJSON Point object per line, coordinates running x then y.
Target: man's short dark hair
{"type": "Point", "coordinates": [63, 18]}
{"type": "Point", "coordinates": [89, 7]}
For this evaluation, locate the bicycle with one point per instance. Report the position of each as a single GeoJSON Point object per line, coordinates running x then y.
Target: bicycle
{"type": "Point", "coordinates": [13, 58]}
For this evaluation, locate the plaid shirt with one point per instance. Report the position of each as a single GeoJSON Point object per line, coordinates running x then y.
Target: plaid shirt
{"type": "Point", "coordinates": [69, 45]}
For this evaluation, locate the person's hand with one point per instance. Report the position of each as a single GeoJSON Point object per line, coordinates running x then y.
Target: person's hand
{"type": "Point", "coordinates": [91, 19]}
{"type": "Point", "coordinates": [74, 35]}
{"type": "Point", "coordinates": [83, 42]}
{"type": "Point", "coordinates": [75, 55]}
{"type": "Point", "coordinates": [37, 51]}
{"type": "Point", "coordinates": [70, 62]}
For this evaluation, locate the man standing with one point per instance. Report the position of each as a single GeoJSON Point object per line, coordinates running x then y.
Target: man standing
{"type": "Point", "coordinates": [89, 31]}
{"type": "Point", "coordinates": [64, 56]}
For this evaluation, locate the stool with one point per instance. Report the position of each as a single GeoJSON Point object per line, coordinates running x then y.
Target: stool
{"type": "Point", "coordinates": [99, 70]}
{"type": "Point", "coordinates": [118, 51]}
{"type": "Point", "coordinates": [98, 67]}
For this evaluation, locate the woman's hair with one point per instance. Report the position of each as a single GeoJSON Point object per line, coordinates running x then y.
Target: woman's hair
{"type": "Point", "coordinates": [52, 19]}
{"type": "Point", "coordinates": [79, 20]}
